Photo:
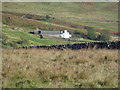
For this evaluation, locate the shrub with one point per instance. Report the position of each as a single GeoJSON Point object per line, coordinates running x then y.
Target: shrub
{"type": "Point", "coordinates": [22, 41]}
{"type": "Point", "coordinates": [47, 17]}
{"type": "Point", "coordinates": [21, 82]}
{"type": "Point", "coordinates": [79, 35]}
{"type": "Point", "coordinates": [91, 33]}
{"type": "Point", "coordinates": [104, 36]}
{"type": "Point", "coordinates": [4, 39]}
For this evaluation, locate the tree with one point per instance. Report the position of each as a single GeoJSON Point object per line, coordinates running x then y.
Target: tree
{"type": "Point", "coordinates": [47, 16]}
{"type": "Point", "coordinates": [41, 36]}
{"type": "Point", "coordinates": [91, 33]}
{"type": "Point", "coordinates": [79, 35]}
{"type": "Point", "coordinates": [105, 35]}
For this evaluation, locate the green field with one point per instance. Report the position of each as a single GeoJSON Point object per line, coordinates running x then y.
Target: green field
{"type": "Point", "coordinates": [98, 25]}
{"type": "Point", "coordinates": [16, 35]}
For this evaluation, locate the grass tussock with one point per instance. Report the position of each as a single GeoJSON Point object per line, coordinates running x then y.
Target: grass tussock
{"type": "Point", "coordinates": [58, 69]}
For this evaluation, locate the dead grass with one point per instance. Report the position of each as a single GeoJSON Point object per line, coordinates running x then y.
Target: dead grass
{"type": "Point", "coordinates": [58, 69]}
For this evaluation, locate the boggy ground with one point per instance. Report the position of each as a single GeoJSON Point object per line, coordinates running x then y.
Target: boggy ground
{"type": "Point", "coordinates": [41, 68]}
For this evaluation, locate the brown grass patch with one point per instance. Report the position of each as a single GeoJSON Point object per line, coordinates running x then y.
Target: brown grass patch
{"type": "Point", "coordinates": [55, 68]}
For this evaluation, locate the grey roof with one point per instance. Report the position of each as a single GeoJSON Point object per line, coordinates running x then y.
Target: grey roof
{"type": "Point", "coordinates": [50, 32]}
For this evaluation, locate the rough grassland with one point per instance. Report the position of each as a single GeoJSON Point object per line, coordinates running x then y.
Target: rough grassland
{"type": "Point", "coordinates": [68, 11]}
{"type": "Point", "coordinates": [55, 68]}
{"type": "Point", "coordinates": [84, 10]}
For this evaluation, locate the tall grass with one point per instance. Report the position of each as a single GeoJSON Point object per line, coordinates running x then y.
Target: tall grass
{"type": "Point", "coordinates": [60, 69]}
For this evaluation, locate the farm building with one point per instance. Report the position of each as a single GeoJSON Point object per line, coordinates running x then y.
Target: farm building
{"type": "Point", "coordinates": [63, 34]}
{"type": "Point", "coordinates": [50, 33]}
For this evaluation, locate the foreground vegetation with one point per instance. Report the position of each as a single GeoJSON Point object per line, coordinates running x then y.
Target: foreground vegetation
{"type": "Point", "coordinates": [57, 69]}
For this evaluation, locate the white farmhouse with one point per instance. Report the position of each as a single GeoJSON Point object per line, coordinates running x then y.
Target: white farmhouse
{"type": "Point", "coordinates": [65, 34]}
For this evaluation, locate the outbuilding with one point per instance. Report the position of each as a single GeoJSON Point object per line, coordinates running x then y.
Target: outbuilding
{"type": "Point", "coordinates": [65, 34]}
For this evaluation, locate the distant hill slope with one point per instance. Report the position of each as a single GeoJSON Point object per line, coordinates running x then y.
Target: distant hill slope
{"type": "Point", "coordinates": [56, 24]}
{"type": "Point", "coordinates": [98, 10]}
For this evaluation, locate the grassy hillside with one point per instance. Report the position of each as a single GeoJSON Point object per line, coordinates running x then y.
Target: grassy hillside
{"type": "Point", "coordinates": [11, 19]}
{"type": "Point", "coordinates": [98, 10]}
{"type": "Point", "coordinates": [14, 38]}
{"type": "Point", "coordinates": [37, 68]}
{"type": "Point", "coordinates": [15, 11]}
{"type": "Point", "coordinates": [84, 11]}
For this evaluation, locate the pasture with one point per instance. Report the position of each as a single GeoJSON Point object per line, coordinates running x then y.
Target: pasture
{"type": "Point", "coordinates": [40, 68]}
{"type": "Point", "coordinates": [107, 10]}
{"type": "Point", "coordinates": [14, 36]}
{"type": "Point", "coordinates": [66, 11]}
